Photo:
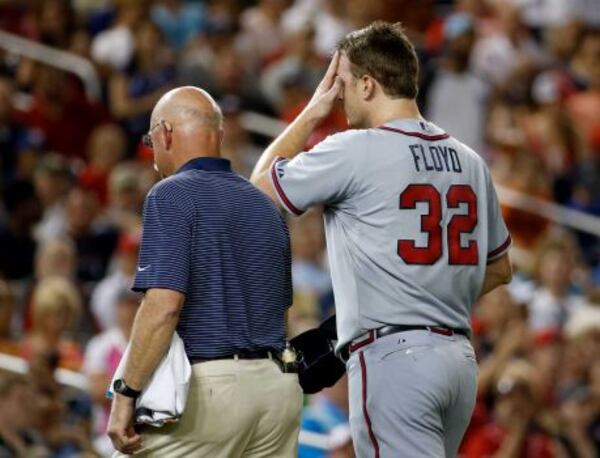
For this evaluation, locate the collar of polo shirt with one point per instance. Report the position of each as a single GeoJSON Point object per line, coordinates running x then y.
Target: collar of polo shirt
{"type": "Point", "coordinates": [210, 164]}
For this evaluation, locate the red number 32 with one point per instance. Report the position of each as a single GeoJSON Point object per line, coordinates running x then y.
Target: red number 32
{"type": "Point", "coordinates": [431, 224]}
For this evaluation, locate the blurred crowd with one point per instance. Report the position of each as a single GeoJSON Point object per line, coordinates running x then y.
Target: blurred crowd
{"type": "Point", "coordinates": [517, 80]}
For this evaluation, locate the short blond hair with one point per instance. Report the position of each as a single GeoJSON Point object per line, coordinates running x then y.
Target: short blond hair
{"type": "Point", "coordinates": [52, 294]}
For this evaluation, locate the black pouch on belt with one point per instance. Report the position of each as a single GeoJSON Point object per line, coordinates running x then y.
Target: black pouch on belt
{"type": "Point", "coordinates": [318, 366]}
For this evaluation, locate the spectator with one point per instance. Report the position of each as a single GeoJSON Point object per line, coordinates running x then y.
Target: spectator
{"type": "Point", "coordinates": [136, 89]}
{"type": "Point", "coordinates": [14, 137]}
{"type": "Point", "coordinates": [95, 239]}
{"type": "Point", "coordinates": [512, 431]}
{"type": "Point", "coordinates": [585, 106]}
{"type": "Point", "coordinates": [556, 299]}
{"type": "Point", "coordinates": [55, 22]}
{"type": "Point", "coordinates": [228, 77]}
{"type": "Point", "coordinates": [56, 309]}
{"type": "Point", "coordinates": [106, 294]}
{"type": "Point", "coordinates": [261, 33]}
{"type": "Point", "coordinates": [179, 21]}
{"type": "Point", "coordinates": [17, 438]}
{"type": "Point", "coordinates": [102, 357]}
{"type": "Point", "coordinates": [578, 413]}
{"type": "Point", "coordinates": [299, 63]}
{"type": "Point", "coordinates": [237, 144]}
{"type": "Point", "coordinates": [60, 111]}
{"type": "Point", "coordinates": [60, 417]}
{"type": "Point", "coordinates": [509, 51]}
{"type": "Point", "coordinates": [328, 19]}
{"type": "Point", "coordinates": [52, 180]}
{"type": "Point", "coordinates": [16, 236]}
{"type": "Point", "coordinates": [56, 258]}
{"type": "Point", "coordinates": [114, 47]}
{"type": "Point", "coordinates": [126, 196]}
{"type": "Point", "coordinates": [545, 356]}
{"type": "Point", "coordinates": [107, 146]}
{"type": "Point", "coordinates": [525, 173]}
{"type": "Point", "coordinates": [197, 60]}
{"type": "Point", "coordinates": [456, 84]}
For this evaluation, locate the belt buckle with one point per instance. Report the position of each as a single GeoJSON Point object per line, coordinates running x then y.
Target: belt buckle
{"type": "Point", "coordinates": [361, 341]}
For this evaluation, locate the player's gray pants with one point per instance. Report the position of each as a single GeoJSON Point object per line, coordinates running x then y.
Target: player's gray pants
{"type": "Point", "coordinates": [411, 395]}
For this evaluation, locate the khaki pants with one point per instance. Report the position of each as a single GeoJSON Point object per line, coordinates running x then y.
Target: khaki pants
{"type": "Point", "coordinates": [235, 408]}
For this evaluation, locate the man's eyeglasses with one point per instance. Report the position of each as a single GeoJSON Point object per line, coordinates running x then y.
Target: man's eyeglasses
{"type": "Point", "coordinates": [147, 138]}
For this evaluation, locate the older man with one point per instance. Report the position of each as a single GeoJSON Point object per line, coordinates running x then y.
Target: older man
{"type": "Point", "coordinates": [210, 240]}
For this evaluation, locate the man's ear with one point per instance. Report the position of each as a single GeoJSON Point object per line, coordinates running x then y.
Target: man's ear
{"type": "Point", "coordinates": [368, 87]}
{"type": "Point", "coordinates": [167, 134]}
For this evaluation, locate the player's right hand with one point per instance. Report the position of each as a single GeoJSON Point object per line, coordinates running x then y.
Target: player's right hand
{"type": "Point", "coordinates": [327, 92]}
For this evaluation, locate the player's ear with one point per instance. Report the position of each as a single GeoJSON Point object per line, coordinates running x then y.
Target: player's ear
{"type": "Point", "coordinates": [368, 87]}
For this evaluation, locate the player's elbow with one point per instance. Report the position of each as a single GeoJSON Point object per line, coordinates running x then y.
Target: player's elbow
{"type": "Point", "coordinates": [262, 182]}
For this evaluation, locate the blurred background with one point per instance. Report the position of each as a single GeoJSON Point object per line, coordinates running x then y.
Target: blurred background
{"type": "Point", "coordinates": [517, 80]}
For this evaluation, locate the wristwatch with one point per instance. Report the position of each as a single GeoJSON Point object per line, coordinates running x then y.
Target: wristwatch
{"type": "Point", "coordinates": [119, 386]}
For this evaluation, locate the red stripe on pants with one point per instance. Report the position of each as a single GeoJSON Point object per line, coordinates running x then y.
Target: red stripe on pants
{"type": "Point", "coordinates": [363, 372]}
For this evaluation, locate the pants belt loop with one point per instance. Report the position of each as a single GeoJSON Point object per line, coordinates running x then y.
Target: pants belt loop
{"type": "Point", "coordinates": [236, 357]}
{"type": "Point", "coordinates": [270, 355]}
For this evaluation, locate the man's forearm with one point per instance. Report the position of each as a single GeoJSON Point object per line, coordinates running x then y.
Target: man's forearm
{"type": "Point", "coordinates": [499, 272]}
{"type": "Point", "coordinates": [150, 339]}
{"type": "Point", "coordinates": [490, 282]}
{"type": "Point", "coordinates": [289, 143]}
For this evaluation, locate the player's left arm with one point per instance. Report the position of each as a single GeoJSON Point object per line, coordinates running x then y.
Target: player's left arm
{"type": "Point", "coordinates": [497, 273]}
{"type": "Point", "coordinates": [499, 270]}
{"type": "Point", "coordinates": [295, 136]}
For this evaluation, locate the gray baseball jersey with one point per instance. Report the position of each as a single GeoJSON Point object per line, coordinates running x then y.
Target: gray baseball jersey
{"type": "Point", "coordinates": [411, 219]}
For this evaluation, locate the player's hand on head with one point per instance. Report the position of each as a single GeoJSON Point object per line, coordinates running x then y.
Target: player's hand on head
{"type": "Point", "coordinates": [327, 92]}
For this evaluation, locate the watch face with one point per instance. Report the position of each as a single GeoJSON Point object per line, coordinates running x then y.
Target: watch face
{"type": "Point", "coordinates": [119, 385]}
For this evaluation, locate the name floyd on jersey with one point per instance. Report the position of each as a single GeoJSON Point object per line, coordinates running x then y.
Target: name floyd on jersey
{"type": "Point", "coordinates": [435, 158]}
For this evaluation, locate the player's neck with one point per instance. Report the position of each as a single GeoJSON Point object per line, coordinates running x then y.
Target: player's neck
{"type": "Point", "coordinates": [391, 109]}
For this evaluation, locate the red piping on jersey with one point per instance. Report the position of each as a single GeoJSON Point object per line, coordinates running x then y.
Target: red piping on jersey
{"type": "Point", "coordinates": [363, 372]}
{"type": "Point", "coordinates": [500, 249]}
{"type": "Point", "coordinates": [431, 138]}
{"type": "Point", "coordinates": [280, 191]}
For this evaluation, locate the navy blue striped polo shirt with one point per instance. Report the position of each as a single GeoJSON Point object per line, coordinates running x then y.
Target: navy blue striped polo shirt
{"type": "Point", "coordinates": [213, 236]}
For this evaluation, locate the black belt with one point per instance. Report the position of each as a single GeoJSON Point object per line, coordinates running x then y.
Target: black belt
{"type": "Point", "coordinates": [258, 354]}
{"type": "Point", "coordinates": [375, 334]}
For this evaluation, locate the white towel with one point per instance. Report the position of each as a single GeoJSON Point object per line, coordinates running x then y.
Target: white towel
{"type": "Point", "coordinates": [164, 397]}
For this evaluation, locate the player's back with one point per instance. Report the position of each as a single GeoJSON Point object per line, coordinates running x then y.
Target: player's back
{"type": "Point", "coordinates": [409, 242]}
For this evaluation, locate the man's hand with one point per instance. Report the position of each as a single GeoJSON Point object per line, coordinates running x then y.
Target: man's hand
{"type": "Point", "coordinates": [327, 92]}
{"type": "Point", "coordinates": [293, 139]}
{"type": "Point", "coordinates": [120, 425]}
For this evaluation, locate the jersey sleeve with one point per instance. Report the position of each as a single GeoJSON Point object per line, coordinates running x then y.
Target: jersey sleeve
{"type": "Point", "coordinates": [164, 260]}
{"type": "Point", "coordinates": [499, 240]}
{"type": "Point", "coordinates": [322, 175]}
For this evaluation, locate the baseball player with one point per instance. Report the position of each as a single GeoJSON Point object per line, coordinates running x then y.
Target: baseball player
{"type": "Point", "coordinates": [414, 237]}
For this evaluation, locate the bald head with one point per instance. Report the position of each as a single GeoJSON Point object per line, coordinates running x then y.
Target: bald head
{"type": "Point", "coordinates": [186, 123]}
{"type": "Point", "coordinates": [188, 105]}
